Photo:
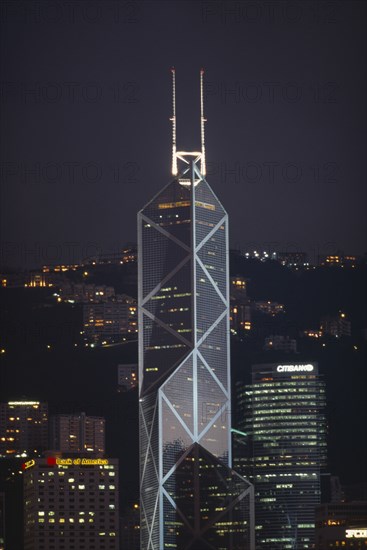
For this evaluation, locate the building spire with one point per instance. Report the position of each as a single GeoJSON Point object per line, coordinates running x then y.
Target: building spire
{"type": "Point", "coordinates": [200, 155]}
{"type": "Point", "coordinates": [202, 122]}
{"type": "Point", "coordinates": [173, 119]}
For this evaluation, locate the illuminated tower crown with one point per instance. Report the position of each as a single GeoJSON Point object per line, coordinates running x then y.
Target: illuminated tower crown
{"type": "Point", "coordinates": [185, 155]}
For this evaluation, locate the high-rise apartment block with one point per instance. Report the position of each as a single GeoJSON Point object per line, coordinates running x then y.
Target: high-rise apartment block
{"type": "Point", "coordinates": [77, 433]}
{"type": "Point", "coordinates": [282, 416]}
{"type": "Point", "coordinates": [190, 496]}
{"type": "Point", "coordinates": [23, 428]}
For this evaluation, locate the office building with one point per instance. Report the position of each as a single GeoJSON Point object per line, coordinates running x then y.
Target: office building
{"type": "Point", "coordinates": [23, 428]}
{"type": "Point", "coordinates": [71, 503]}
{"type": "Point", "coordinates": [282, 415]}
{"type": "Point", "coordinates": [341, 525]}
{"type": "Point", "coordinates": [77, 433]}
{"type": "Point", "coordinates": [190, 496]}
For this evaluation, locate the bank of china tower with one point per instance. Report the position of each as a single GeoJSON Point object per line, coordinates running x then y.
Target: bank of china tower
{"type": "Point", "coordinates": [190, 498]}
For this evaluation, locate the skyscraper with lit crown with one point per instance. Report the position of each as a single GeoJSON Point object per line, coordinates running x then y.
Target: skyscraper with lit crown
{"type": "Point", "coordinates": [190, 497]}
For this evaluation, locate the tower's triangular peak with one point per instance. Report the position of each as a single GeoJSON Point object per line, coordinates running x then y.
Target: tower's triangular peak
{"type": "Point", "coordinates": [186, 157]}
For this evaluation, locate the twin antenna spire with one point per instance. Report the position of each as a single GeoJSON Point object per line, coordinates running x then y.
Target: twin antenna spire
{"type": "Point", "coordinates": [178, 154]}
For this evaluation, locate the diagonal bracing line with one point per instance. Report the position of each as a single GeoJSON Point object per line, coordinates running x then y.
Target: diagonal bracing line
{"type": "Point", "coordinates": [228, 509]}
{"type": "Point", "coordinates": [211, 232]}
{"type": "Point", "coordinates": [212, 281]}
{"type": "Point", "coordinates": [149, 436]}
{"type": "Point", "coordinates": [206, 364]}
{"type": "Point", "coordinates": [165, 279]}
{"type": "Point", "coordinates": [165, 232]}
{"type": "Point", "coordinates": [153, 519]}
{"type": "Point", "coordinates": [177, 509]}
{"type": "Point", "coordinates": [214, 419]}
{"type": "Point", "coordinates": [183, 424]}
{"type": "Point", "coordinates": [175, 466]}
{"type": "Point", "coordinates": [210, 329]}
{"type": "Point", "coordinates": [166, 327]}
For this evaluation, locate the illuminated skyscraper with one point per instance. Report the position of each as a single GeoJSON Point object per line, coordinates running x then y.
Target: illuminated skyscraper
{"type": "Point", "coordinates": [190, 497]}
{"type": "Point", "coordinates": [283, 419]}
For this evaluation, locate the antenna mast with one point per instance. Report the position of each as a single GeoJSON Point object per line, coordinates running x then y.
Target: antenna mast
{"type": "Point", "coordinates": [202, 122]}
{"type": "Point", "coordinates": [173, 119]}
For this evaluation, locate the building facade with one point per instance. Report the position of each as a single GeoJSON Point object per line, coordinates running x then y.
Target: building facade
{"type": "Point", "coordinates": [77, 433]}
{"type": "Point", "coordinates": [190, 496]}
{"type": "Point", "coordinates": [240, 309]}
{"type": "Point", "coordinates": [130, 528]}
{"type": "Point", "coordinates": [282, 416]}
{"type": "Point", "coordinates": [127, 377]}
{"type": "Point", "coordinates": [110, 321]}
{"type": "Point", "coordinates": [71, 504]}
{"type": "Point", "coordinates": [23, 428]}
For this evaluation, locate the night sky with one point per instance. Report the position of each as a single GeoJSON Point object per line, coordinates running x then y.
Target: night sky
{"type": "Point", "coordinates": [86, 101]}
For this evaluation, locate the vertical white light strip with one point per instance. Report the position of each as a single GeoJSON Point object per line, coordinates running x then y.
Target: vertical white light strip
{"type": "Point", "coordinates": [202, 123]}
{"type": "Point", "coordinates": [193, 301]}
{"type": "Point", "coordinates": [160, 469]}
{"type": "Point", "coordinates": [228, 328]}
{"type": "Point", "coordinates": [140, 300]}
{"type": "Point", "coordinates": [173, 120]}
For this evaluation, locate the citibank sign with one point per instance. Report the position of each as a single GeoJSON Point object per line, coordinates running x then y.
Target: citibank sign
{"type": "Point", "coordinates": [295, 368]}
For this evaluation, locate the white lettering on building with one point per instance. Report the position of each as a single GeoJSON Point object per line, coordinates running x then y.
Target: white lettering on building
{"type": "Point", "coordinates": [295, 368]}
